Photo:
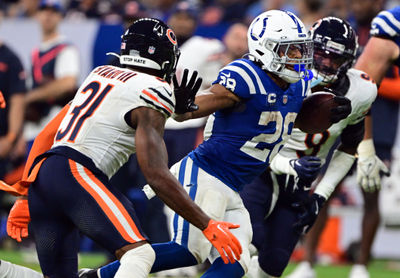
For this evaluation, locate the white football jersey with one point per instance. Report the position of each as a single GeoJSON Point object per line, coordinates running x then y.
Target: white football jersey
{"type": "Point", "coordinates": [95, 123]}
{"type": "Point", "coordinates": [362, 92]}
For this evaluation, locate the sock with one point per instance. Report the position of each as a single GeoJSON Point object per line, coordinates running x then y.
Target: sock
{"type": "Point", "coordinates": [171, 255]}
{"type": "Point", "coordinates": [219, 269]}
{"type": "Point", "coordinates": [166, 258]}
{"type": "Point", "coordinates": [108, 271]}
{"type": "Point", "coordinates": [136, 263]}
{"type": "Point", "coordinates": [9, 270]}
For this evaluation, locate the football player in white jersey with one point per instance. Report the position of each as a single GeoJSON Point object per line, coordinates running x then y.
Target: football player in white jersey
{"type": "Point", "coordinates": [280, 205]}
{"type": "Point", "coordinates": [116, 112]}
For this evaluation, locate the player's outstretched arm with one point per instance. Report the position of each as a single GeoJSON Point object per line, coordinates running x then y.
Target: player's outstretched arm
{"type": "Point", "coordinates": [217, 97]}
{"type": "Point", "coordinates": [152, 157]}
{"type": "Point", "coordinates": [377, 57]}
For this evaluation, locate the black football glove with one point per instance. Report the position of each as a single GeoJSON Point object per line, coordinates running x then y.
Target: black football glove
{"type": "Point", "coordinates": [342, 110]}
{"type": "Point", "coordinates": [309, 209]}
{"type": "Point", "coordinates": [307, 169]}
{"type": "Point", "coordinates": [186, 93]}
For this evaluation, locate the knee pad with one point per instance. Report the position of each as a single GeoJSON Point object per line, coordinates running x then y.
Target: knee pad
{"type": "Point", "coordinates": [274, 261]}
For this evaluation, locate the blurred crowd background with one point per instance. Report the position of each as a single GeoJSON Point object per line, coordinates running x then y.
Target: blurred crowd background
{"type": "Point", "coordinates": [211, 33]}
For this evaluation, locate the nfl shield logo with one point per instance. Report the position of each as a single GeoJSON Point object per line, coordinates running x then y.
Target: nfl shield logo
{"type": "Point", "coordinates": [151, 49]}
{"type": "Point", "coordinates": [284, 99]}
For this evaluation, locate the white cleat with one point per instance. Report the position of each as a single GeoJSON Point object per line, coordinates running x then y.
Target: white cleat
{"type": "Point", "coordinates": [359, 271]}
{"type": "Point", "coordinates": [303, 270]}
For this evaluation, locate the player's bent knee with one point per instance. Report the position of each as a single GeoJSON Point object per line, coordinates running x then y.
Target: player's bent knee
{"type": "Point", "coordinates": [274, 261]}
{"type": "Point", "coordinates": [136, 262]}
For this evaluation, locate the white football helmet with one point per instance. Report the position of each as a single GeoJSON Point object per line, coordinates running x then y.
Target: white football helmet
{"type": "Point", "coordinates": [272, 35]}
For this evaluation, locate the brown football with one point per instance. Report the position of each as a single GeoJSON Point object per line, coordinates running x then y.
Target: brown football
{"type": "Point", "coordinates": [315, 112]}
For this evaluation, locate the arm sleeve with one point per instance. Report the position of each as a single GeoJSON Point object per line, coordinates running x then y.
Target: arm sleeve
{"type": "Point", "coordinates": [67, 63]}
{"type": "Point", "coordinates": [390, 87]}
{"type": "Point", "coordinates": [159, 98]}
{"type": "Point", "coordinates": [340, 164]}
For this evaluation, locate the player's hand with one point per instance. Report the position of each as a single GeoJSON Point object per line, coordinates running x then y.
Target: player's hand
{"type": "Point", "coordinates": [342, 110]}
{"type": "Point", "coordinates": [18, 220]}
{"type": "Point", "coordinates": [307, 169]}
{"type": "Point", "coordinates": [223, 240]}
{"type": "Point", "coordinates": [309, 209]}
{"type": "Point", "coordinates": [185, 93]}
{"type": "Point", "coordinates": [369, 170]}
{"type": "Point", "coordinates": [2, 101]}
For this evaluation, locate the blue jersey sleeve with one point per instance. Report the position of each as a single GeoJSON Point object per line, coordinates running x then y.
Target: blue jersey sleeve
{"type": "Point", "coordinates": [237, 78]}
{"type": "Point", "coordinates": [387, 24]}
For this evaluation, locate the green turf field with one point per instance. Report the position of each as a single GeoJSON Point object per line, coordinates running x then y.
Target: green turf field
{"type": "Point", "coordinates": [378, 269]}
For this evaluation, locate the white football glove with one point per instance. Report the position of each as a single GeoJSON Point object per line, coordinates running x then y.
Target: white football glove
{"type": "Point", "coordinates": [369, 167]}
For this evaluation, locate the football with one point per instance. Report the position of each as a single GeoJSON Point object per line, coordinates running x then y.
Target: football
{"type": "Point", "coordinates": [314, 115]}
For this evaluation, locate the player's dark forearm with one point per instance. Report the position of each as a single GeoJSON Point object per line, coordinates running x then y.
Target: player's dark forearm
{"type": "Point", "coordinates": [152, 158]}
{"type": "Point", "coordinates": [175, 197]}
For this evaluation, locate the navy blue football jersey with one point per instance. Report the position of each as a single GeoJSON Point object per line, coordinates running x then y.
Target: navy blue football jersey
{"type": "Point", "coordinates": [241, 141]}
{"type": "Point", "coordinates": [387, 24]}
{"type": "Point", "coordinates": [12, 81]}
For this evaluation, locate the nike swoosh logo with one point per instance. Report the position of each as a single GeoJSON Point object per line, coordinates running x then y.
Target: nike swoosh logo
{"type": "Point", "coordinates": [227, 75]}
{"type": "Point", "coordinates": [219, 228]}
{"type": "Point", "coordinates": [168, 92]}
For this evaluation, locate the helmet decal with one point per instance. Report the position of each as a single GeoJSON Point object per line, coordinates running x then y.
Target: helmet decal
{"type": "Point", "coordinates": [262, 30]}
{"type": "Point", "coordinates": [296, 22]}
{"type": "Point", "coordinates": [149, 43]}
{"type": "Point", "coordinates": [171, 36]}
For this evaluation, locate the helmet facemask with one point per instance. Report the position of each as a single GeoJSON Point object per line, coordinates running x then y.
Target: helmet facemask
{"type": "Point", "coordinates": [292, 60]}
{"type": "Point", "coordinates": [331, 61]}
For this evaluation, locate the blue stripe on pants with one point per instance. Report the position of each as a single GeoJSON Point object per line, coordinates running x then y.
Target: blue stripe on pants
{"type": "Point", "coordinates": [181, 180]}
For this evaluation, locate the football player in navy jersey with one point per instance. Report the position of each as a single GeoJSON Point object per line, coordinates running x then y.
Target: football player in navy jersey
{"type": "Point", "coordinates": [253, 105]}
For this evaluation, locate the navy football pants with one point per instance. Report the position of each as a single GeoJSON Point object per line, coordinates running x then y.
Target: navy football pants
{"type": "Point", "coordinates": [67, 198]}
{"type": "Point", "coordinates": [273, 235]}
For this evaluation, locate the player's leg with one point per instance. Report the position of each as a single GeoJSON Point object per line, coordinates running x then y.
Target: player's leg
{"type": "Point", "coordinates": [310, 243]}
{"type": "Point", "coordinates": [98, 210]}
{"type": "Point", "coordinates": [210, 194]}
{"type": "Point", "coordinates": [235, 213]}
{"type": "Point", "coordinates": [109, 219]}
{"type": "Point", "coordinates": [167, 253]}
{"type": "Point", "coordinates": [259, 198]}
{"type": "Point", "coordinates": [370, 223]}
{"type": "Point", "coordinates": [56, 238]}
{"type": "Point", "coordinates": [280, 237]}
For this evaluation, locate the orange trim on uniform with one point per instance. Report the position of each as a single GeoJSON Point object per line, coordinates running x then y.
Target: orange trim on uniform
{"type": "Point", "coordinates": [116, 202]}
{"type": "Point", "coordinates": [106, 209]}
{"type": "Point", "coordinates": [147, 93]}
{"type": "Point", "coordinates": [20, 188]}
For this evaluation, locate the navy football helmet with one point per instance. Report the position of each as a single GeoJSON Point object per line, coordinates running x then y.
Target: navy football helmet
{"type": "Point", "coordinates": [150, 43]}
{"type": "Point", "coordinates": [335, 48]}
